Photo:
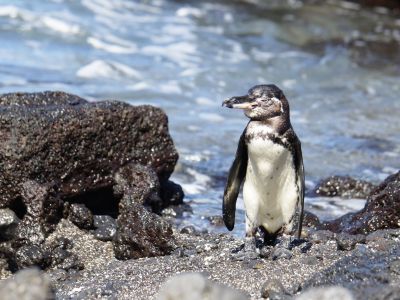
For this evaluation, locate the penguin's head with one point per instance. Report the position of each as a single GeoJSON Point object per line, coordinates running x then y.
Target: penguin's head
{"type": "Point", "coordinates": [262, 102]}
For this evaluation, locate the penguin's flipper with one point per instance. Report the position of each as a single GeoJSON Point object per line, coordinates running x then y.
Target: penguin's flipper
{"type": "Point", "coordinates": [236, 176]}
{"type": "Point", "coordinates": [299, 167]}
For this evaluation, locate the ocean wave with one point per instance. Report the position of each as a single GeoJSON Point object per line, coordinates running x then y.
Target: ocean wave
{"type": "Point", "coordinates": [107, 69]}
{"type": "Point", "coordinates": [113, 45]}
{"type": "Point", "coordinates": [31, 20]}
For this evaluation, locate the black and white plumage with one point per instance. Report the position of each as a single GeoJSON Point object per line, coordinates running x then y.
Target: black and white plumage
{"type": "Point", "coordinates": [269, 162]}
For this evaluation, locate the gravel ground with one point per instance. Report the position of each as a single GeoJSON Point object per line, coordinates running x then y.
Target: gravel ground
{"type": "Point", "coordinates": [370, 270]}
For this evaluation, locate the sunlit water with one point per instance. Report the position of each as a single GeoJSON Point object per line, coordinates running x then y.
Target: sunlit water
{"type": "Point", "coordinates": [338, 65]}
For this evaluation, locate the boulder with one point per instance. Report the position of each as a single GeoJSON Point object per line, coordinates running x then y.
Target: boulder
{"type": "Point", "coordinates": [343, 186]}
{"type": "Point", "coordinates": [381, 211]}
{"type": "Point", "coordinates": [61, 138]}
{"type": "Point", "coordinates": [62, 157]}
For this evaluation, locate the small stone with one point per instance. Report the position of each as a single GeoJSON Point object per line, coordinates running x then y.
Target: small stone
{"type": "Point", "coordinates": [57, 275]}
{"type": "Point", "coordinates": [171, 193]}
{"type": "Point", "coordinates": [4, 269]}
{"type": "Point", "coordinates": [106, 227]}
{"type": "Point", "coordinates": [347, 242]}
{"type": "Point", "coordinates": [326, 293]}
{"type": "Point", "coordinates": [266, 251]}
{"type": "Point", "coordinates": [188, 230]}
{"type": "Point", "coordinates": [7, 218]}
{"type": "Point", "coordinates": [8, 223]}
{"type": "Point", "coordinates": [216, 220]}
{"type": "Point", "coordinates": [273, 290]}
{"type": "Point", "coordinates": [81, 216]}
{"type": "Point", "coordinates": [320, 236]}
{"type": "Point", "coordinates": [196, 286]}
{"type": "Point", "coordinates": [280, 253]}
{"type": "Point", "coordinates": [210, 246]}
{"type": "Point", "coordinates": [30, 255]}
{"type": "Point", "coordinates": [311, 260]}
{"type": "Point", "coordinates": [395, 267]}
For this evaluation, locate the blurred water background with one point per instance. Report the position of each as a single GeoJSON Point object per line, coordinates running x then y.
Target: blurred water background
{"type": "Point", "coordinates": [338, 64]}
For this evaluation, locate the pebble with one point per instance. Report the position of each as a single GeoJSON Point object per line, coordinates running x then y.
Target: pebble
{"type": "Point", "coordinates": [273, 290]}
{"type": "Point", "coordinates": [326, 293]}
{"type": "Point", "coordinates": [280, 253]}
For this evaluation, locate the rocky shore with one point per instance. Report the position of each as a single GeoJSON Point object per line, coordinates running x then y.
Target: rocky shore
{"type": "Point", "coordinates": [83, 189]}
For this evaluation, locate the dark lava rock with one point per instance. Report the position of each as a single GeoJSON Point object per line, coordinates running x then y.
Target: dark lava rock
{"type": "Point", "coordinates": [60, 255]}
{"type": "Point", "coordinates": [171, 193]}
{"type": "Point", "coordinates": [32, 255]}
{"type": "Point", "coordinates": [8, 223]}
{"type": "Point", "coordinates": [28, 284]}
{"type": "Point", "coordinates": [61, 138]}
{"type": "Point", "coordinates": [141, 233]}
{"type": "Point", "coordinates": [343, 186]}
{"type": "Point", "coordinates": [61, 156]}
{"type": "Point", "coordinates": [137, 184]}
{"type": "Point", "coordinates": [273, 290]}
{"type": "Point", "coordinates": [380, 212]}
{"type": "Point", "coordinates": [347, 241]}
{"type": "Point", "coordinates": [311, 220]}
{"type": "Point", "coordinates": [106, 227]}
{"type": "Point", "coordinates": [280, 252]}
{"type": "Point", "coordinates": [80, 215]}
{"type": "Point", "coordinates": [189, 230]}
{"type": "Point", "coordinates": [43, 211]}
{"type": "Point", "coordinates": [321, 236]}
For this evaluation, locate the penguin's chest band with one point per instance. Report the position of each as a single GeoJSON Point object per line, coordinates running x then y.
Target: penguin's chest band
{"type": "Point", "coordinates": [268, 136]}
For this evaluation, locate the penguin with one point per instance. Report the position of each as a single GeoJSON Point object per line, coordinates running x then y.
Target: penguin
{"type": "Point", "coordinates": [269, 163]}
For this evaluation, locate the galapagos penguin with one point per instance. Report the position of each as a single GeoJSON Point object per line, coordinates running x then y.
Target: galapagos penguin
{"type": "Point", "coordinates": [269, 161]}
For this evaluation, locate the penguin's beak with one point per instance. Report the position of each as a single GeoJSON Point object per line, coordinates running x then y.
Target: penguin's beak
{"type": "Point", "coordinates": [241, 102]}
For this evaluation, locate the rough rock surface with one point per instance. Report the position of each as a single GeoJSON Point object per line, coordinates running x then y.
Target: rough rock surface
{"type": "Point", "coordinates": [380, 212]}
{"type": "Point", "coordinates": [61, 138]}
{"type": "Point", "coordinates": [141, 233]}
{"type": "Point", "coordinates": [343, 186]}
{"type": "Point", "coordinates": [63, 157]}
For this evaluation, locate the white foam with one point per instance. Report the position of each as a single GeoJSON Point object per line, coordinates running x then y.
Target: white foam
{"type": "Point", "coordinates": [262, 55]}
{"type": "Point", "coordinates": [182, 53]}
{"type": "Point", "coordinates": [191, 72]}
{"type": "Point", "coordinates": [140, 86]}
{"type": "Point", "coordinates": [11, 11]}
{"type": "Point", "coordinates": [109, 69]}
{"type": "Point", "coordinates": [119, 47]}
{"type": "Point", "coordinates": [328, 208]}
{"type": "Point", "coordinates": [198, 185]}
{"type": "Point", "coordinates": [189, 12]}
{"type": "Point", "coordinates": [60, 25]}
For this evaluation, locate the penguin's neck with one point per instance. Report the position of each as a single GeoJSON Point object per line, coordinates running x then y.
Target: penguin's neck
{"type": "Point", "coordinates": [279, 124]}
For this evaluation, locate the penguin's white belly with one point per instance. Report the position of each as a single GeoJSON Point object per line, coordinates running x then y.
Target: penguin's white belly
{"type": "Point", "coordinates": [270, 192]}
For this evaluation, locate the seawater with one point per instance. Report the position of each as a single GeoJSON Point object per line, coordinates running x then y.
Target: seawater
{"type": "Point", "coordinates": [338, 64]}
